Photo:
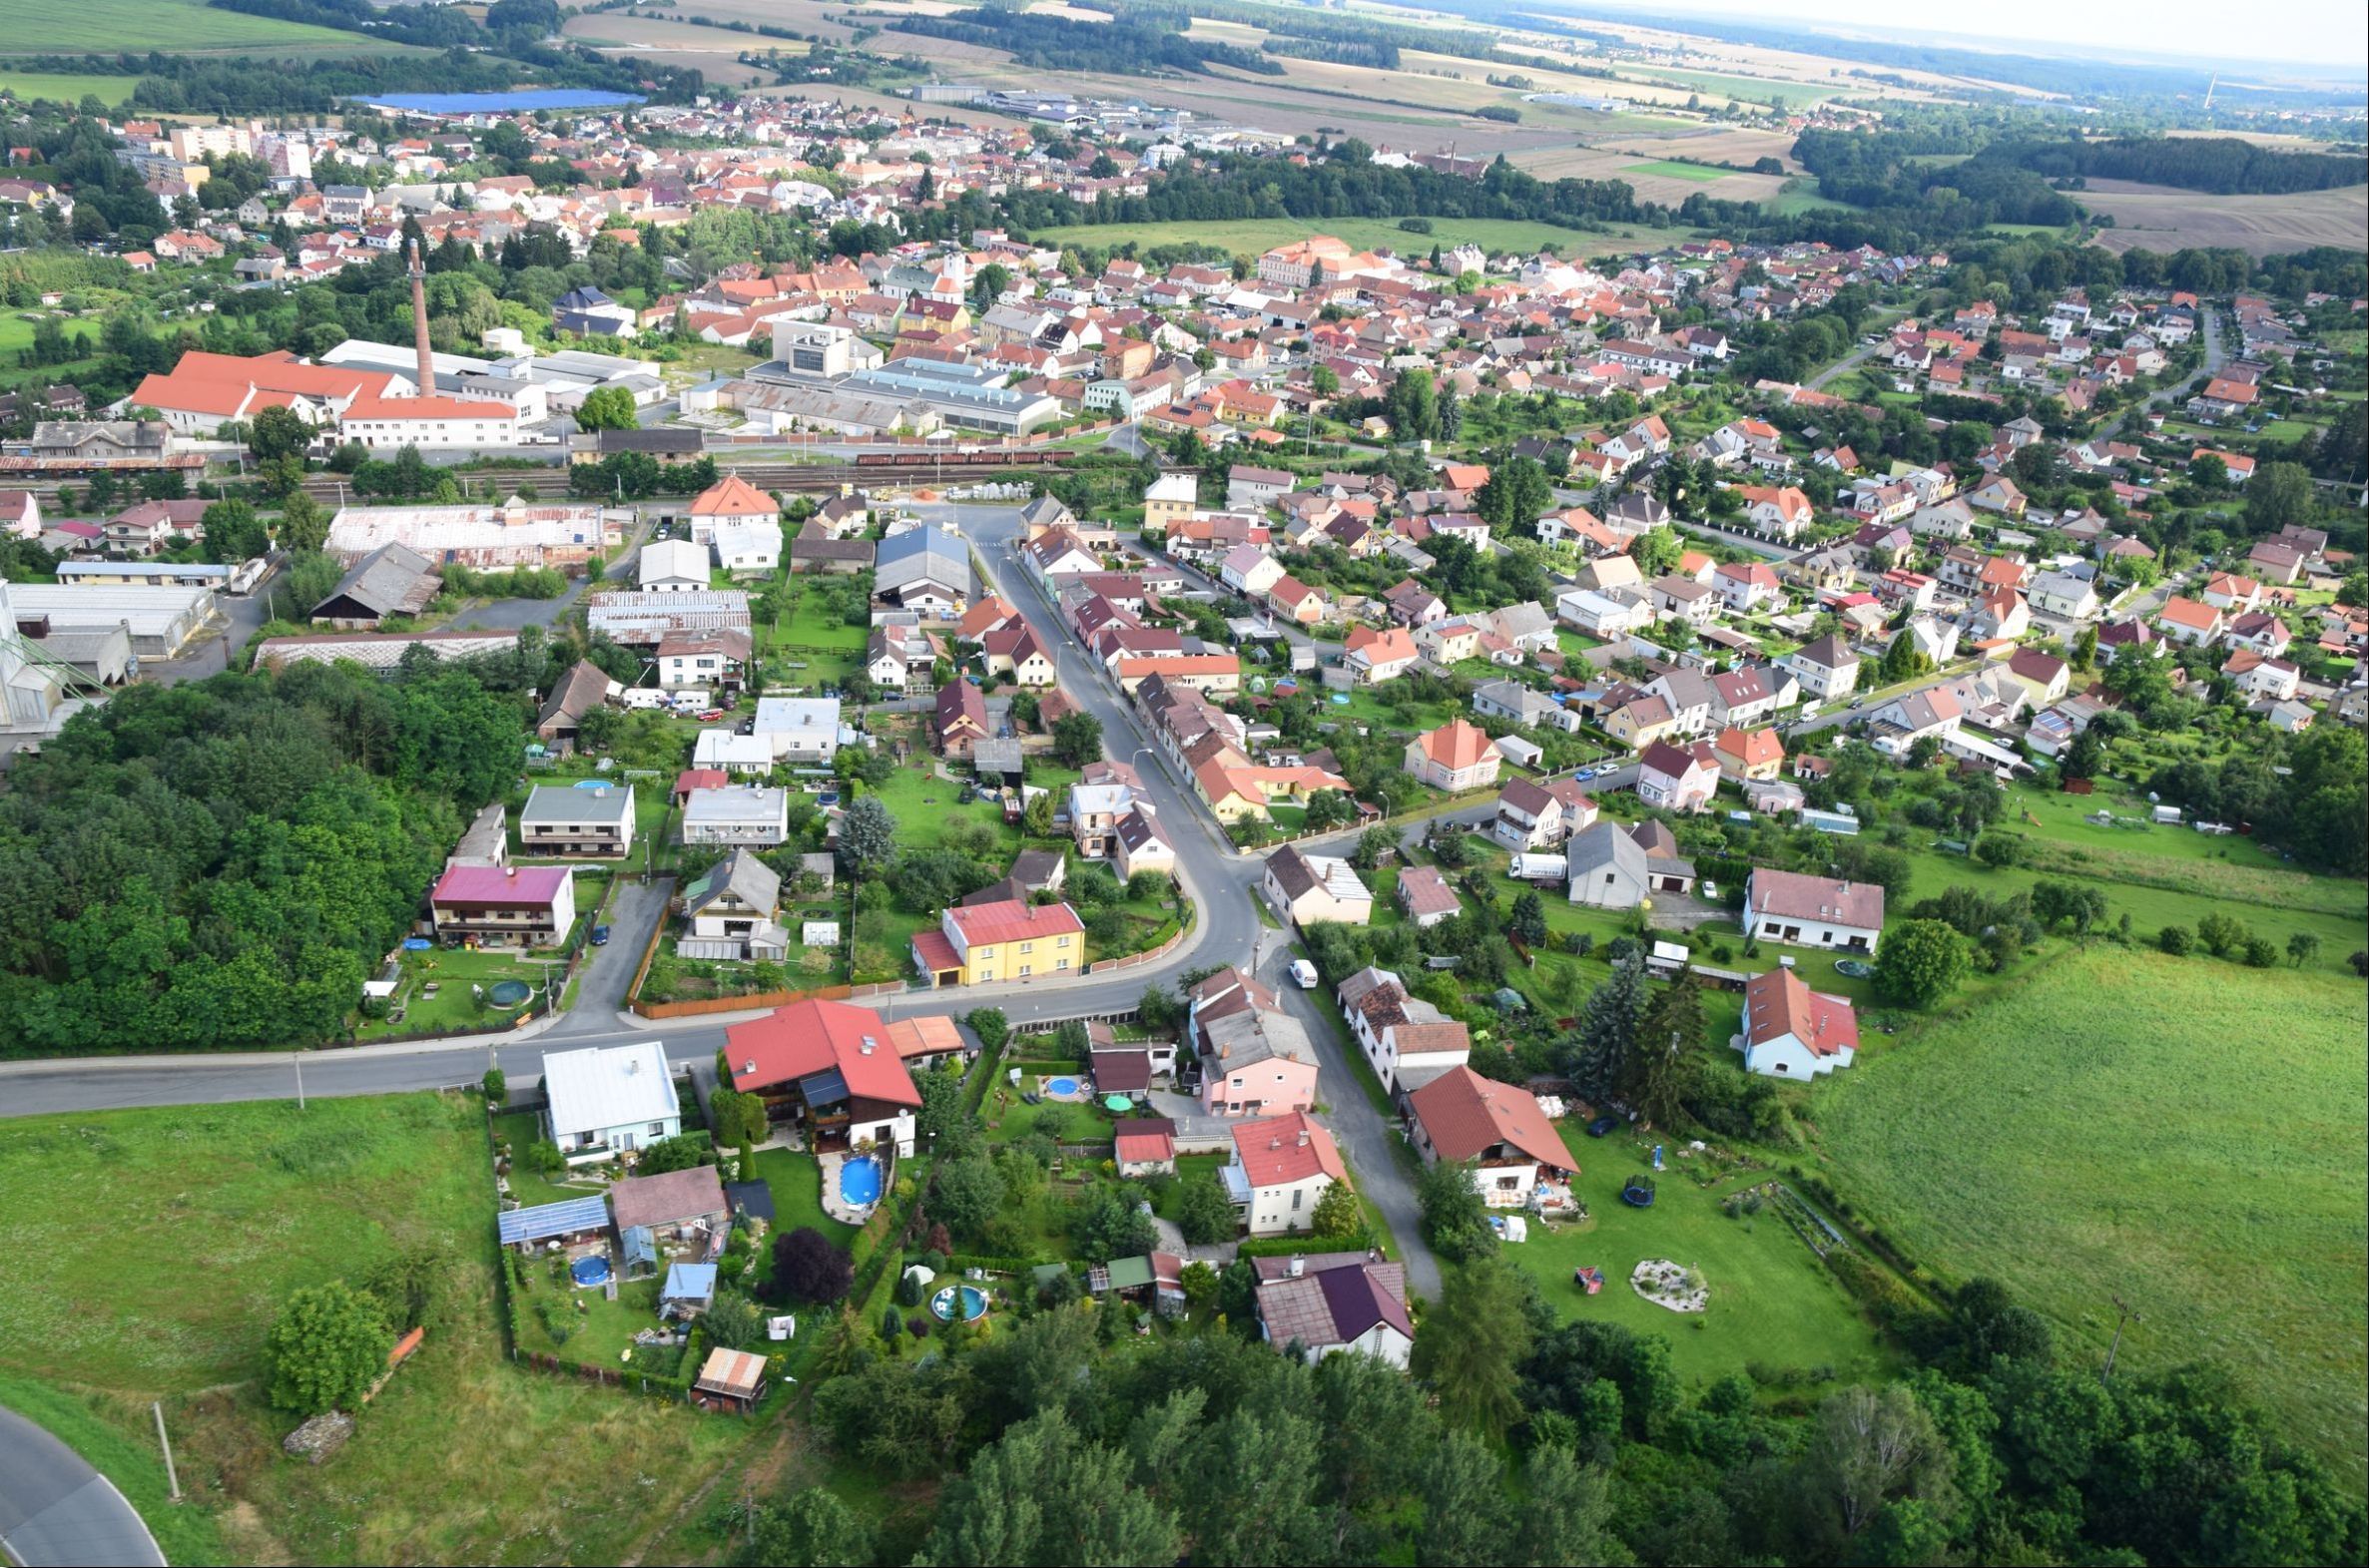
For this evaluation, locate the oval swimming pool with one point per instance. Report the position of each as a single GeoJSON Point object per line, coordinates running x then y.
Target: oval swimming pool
{"type": "Point", "coordinates": [1060, 1086]}
{"type": "Point", "coordinates": [590, 1271]}
{"type": "Point", "coordinates": [859, 1181]}
{"type": "Point", "coordinates": [974, 1304]}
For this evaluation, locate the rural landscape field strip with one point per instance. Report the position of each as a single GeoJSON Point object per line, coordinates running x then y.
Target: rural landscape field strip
{"type": "Point", "coordinates": [2187, 1136]}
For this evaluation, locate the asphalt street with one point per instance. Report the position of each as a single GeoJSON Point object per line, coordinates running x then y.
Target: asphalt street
{"type": "Point", "coordinates": [56, 1509]}
{"type": "Point", "coordinates": [1213, 873]}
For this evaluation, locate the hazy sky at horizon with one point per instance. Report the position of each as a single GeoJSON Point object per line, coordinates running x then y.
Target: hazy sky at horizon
{"type": "Point", "coordinates": [2328, 32]}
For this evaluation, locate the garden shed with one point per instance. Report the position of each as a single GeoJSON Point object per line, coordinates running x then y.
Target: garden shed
{"type": "Point", "coordinates": [640, 1252]}
{"type": "Point", "coordinates": [690, 1290]}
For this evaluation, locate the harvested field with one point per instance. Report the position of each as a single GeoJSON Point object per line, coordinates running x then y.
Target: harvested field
{"type": "Point", "coordinates": [1659, 180]}
{"type": "Point", "coordinates": [1250, 237]}
{"type": "Point", "coordinates": [2158, 218]}
{"type": "Point", "coordinates": [1710, 144]}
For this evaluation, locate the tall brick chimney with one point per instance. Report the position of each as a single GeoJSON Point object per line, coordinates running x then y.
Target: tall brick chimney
{"type": "Point", "coordinates": [427, 362]}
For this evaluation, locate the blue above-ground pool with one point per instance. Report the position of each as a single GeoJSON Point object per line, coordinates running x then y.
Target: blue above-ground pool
{"type": "Point", "coordinates": [974, 1304]}
{"type": "Point", "coordinates": [590, 1271]}
{"type": "Point", "coordinates": [1060, 1086]}
{"type": "Point", "coordinates": [859, 1181]}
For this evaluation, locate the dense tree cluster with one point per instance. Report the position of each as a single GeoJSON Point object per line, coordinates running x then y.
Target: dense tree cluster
{"type": "Point", "coordinates": [1520, 1439]}
{"type": "Point", "coordinates": [220, 864]}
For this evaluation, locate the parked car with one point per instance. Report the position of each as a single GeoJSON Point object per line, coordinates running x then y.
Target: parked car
{"type": "Point", "coordinates": [711, 716]}
{"type": "Point", "coordinates": [600, 937]}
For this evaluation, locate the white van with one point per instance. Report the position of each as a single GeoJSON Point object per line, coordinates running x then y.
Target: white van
{"type": "Point", "coordinates": [1304, 972]}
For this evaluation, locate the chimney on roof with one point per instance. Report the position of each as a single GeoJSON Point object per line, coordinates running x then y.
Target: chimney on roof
{"type": "Point", "coordinates": [1297, 1266]}
{"type": "Point", "coordinates": [747, 1067]}
{"type": "Point", "coordinates": [1303, 1138]}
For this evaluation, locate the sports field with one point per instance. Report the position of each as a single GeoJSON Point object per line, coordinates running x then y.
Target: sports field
{"type": "Point", "coordinates": [2184, 1133]}
{"type": "Point", "coordinates": [34, 26]}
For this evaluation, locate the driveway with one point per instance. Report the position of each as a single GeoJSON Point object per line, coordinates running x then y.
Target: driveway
{"type": "Point", "coordinates": [56, 1509]}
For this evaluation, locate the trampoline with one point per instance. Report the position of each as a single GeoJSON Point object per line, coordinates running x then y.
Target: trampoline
{"type": "Point", "coordinates": [974, 1304]}
{"type": "Point", "coordinates": [590, 1271]}
{"type": "Point", "coordinates": [859, 1181]}
{"type": "Point", "coordinates": [508, 993]}
{"type": "Point", "coordinates": [1062, 1086]}
{"type": "Point", "coordinates": [1638, 1192]}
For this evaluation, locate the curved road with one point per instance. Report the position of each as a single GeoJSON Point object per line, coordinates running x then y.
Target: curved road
{"type": "Point", "coordinates": [56, 1509]}
{"type": "Point", "coordinates": [1226, 931]}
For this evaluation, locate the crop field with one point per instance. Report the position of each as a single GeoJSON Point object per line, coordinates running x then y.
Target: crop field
{"type": "Point", "coordinates": [66, 88]}
{"type": "Point", "coordinates": [186, 26]}
{"type": "Point", "coordinates": [1672, 169]}
{"type": "Point", "coordinates": [1250, 236]}
{"type": "Point", "coordinates": [1659, 180]}
{"type": "Point", "coordinates": [2188, 1136]}
{"type": "Point", "coordinates": [210, 1215]}
{"type": "Point", "coordinates": [1745, 89]}
{"type": "Point", "coordinates": [1772, 1303]}
{"type": "Point", "coordinates": [2158, 218]}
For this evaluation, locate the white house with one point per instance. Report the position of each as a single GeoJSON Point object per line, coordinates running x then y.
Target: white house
{"type": "Point", "coordinates": [737, 815]}
{"type": "Point", "coordinates": [1499, 1128]}
{"type": "Point", "coordinates": [1813, 911]}
{"type": "Point", "coordinates": [1331, 1303]}
{"type": "Point", "coordinates": [672, 566]}
{"type": "Point", "coordinates": [801, 732]}
{"type": "Point", "coordinates": [1309, 889]}
{"type": "Point", "coordinates": [605, 1100]}
{"type": "Point", "coordinates": [730, 911]}
{"type": "Point", "coordinates": [1408, 1040]}
{"type": "Point", "coordinates": [1791, 1031]}
{"type": "Point", "coordinates": [750, 547]}
{"type": "Point", "coordinates": [1281, 1167]}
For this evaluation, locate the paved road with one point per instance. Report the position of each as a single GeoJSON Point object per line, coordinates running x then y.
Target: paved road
{"type": "Point", "coordinates": [1849, 362]}
{"type": "Point", "coordinates": [56, 1509]}
{"type": "Point", "coordinates": [1218, 878]}
{"type": "Point", "coordinates": [2214, 358]}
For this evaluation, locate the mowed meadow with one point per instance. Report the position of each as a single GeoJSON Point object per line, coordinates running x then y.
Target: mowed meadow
{"type": "Point", "coordinates": [36, 27]}
{"type": "Point", "coordinates": [2185, 1134]}
{"type": "Point", "coordinates": [149, 1251]}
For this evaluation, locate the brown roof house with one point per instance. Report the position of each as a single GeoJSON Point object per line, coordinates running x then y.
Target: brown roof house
{"type": "Point", "coordinates": [683, 1202]}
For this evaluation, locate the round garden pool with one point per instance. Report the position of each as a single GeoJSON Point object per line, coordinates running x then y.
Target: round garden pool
{"type": "Point", "coordinates": [859, 1181]}
{"type": "Point", "coordinates": [506, 995]}
{"type": "Point", "coordinates": [590, 1271]}
{"type": "Point", "coordinates": [974, 1304]}
{"type": "Point", "coordinates": [1060, 1086]}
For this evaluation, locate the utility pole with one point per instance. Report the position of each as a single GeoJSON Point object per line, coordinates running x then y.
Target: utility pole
{"type": "Point", "coordinates": [172, 1476]}
{"type": "Point", "coordinates": [298, 1060]}
{"type": "Point", "coordinates": [2125, 1317]}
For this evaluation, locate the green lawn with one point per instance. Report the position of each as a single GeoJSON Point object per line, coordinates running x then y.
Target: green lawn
{"type": "Point", "coordinates": [457, 974]}
{"type": "Point", "coordinates": [1250, 236]}
{"type": "Point", "coordinates": [797, 1184]}
{"type": "Point", "coordinates": [520, 1130]}
{"type": "Point", "coordinates": [1772, 1302]}
{"type": "Point", "coordinates": [67, 88]}
{"type": "Point", "coordinates": [210, 1215]}
{"type": "Point", "coordinates": [2182, 1132]}
{"type": "Point", "coordinates": [186, 26]}
{"type": "Point", "coordinates": [1675, 170]}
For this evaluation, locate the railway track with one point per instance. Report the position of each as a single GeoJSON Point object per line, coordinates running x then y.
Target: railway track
{"type": "Point", "coordinates": [804, 479]}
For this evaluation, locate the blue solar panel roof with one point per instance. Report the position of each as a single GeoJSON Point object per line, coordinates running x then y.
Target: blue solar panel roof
{"type": "Point", "coordinates": [561, 1219]}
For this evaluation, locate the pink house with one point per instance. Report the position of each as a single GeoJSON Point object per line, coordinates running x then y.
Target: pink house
{"type": "Point", "coordinates": [1256, 1059]}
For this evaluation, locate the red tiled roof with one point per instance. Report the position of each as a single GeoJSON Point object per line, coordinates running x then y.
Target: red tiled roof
{"type": "Point", "coordinates": [1464, 1112]}
{"type": "Point", "coordinates": [1456, 744]}
{"type": "Point", "coordinates": [1778, 1003]}
{"type": "Point", "coordinates": [1009, 920]}
{"type": "Point", "coordinates": [810, 1037]}
{"type": "Point", "coordinates": [1279, 1151]}
{"type": "Point", "coordinates": [733, 496]}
